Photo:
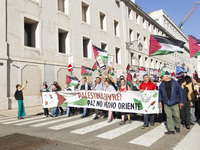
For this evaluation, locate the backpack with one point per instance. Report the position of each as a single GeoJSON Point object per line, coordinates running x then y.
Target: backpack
{"type": "Point", "coordinates": [16, 95]}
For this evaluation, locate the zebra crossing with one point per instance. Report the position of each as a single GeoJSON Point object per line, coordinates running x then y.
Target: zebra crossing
{"type": "Point", "coordinates": [61, 123]}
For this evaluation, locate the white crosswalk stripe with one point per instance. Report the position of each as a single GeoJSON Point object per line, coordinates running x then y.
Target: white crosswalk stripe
{"type": "Point", "coordinates": [189, 141]}
{"type": "Point", "coordinates": [146, 139]}
{"type": "Point", "coordinates": [34, 121]}
{"type": "Point", "coordinates": [54, 121]}
{"type": "Point", "coordinates": [70, 124]}
{"type": "Point", "coordinates": [120, 131]}
{"type": "Point", "coordinates": [8, 120]}
{"type": "Point", "coordinates": [21, 120]}
{"type": "Point", "coordinates": [93, 127]}
{"type": "Point", "coordinates": [150, 137]}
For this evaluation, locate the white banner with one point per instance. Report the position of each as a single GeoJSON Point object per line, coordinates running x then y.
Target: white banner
{"type": "Point", "coordinates": [131, 101]}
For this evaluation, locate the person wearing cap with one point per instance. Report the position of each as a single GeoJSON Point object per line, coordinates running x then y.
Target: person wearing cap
{"type": "Point", "coordinates": [171, 93]}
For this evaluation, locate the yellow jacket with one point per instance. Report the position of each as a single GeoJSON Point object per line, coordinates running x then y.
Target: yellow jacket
{"type": "Point", "coordinates": [191, 93]}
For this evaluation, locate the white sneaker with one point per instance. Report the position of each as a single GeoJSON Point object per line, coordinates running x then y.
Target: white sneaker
{"type": "Point", "coordinates": [94, 115]}
{"type": "Point", "coordinates": [44, 116]}
{"type": "Point", "coordinates": [163, 123]}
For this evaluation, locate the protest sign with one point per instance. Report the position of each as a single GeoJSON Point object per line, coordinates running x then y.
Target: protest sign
{"type": "Point", "coordinates": [131, 101]}
{"type": "Point", "coordinates": [153, 73]}
{"type": "Point", "coordinates": [140, 74]}
{"type": "Point", "coordinates": [110, 61]}
{"type": "Point", "coordinates": [119, 73]}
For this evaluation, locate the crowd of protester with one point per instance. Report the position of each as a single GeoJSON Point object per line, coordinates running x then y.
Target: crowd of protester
{"type": "Point", "coordinates": [178, 98]}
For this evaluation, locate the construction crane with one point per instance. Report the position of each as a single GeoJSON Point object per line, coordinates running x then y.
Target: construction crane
{"type": "Point", "coordinates": [188, 15]}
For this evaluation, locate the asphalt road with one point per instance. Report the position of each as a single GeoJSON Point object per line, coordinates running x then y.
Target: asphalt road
{"type": "Point", "coordinates": [76, 133]}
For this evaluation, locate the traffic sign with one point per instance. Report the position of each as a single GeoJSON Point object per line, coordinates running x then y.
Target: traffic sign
{"type": "Point", "coordinates": [70, 67]}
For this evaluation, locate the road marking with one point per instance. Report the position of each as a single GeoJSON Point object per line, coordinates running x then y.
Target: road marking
{"type": "Point", "coordinates": [8, 120]}
{"type": "Point", "coordinates": [192, 138]}
{"type": "Point", "coordinates": [150, 137]}
{"type": "Point", "coordinates": [69, 124]}
{"type": "Point", "coordinates": [93, 127]}
{"type": "Point", "coordinates": [21, 120]}
{"type": "Point", "coordinates": [54, 121]}
{"type": "Point", "coordinates": [121, 130]}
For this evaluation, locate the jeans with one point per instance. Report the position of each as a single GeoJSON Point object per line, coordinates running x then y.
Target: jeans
{"type": "Point", "coordinates": [192, 115]}
{"type": "Point", "coordinates": [172, 111]}
{"type": "Point", "coordinates": [146, 119]}
{"type": "Point", "coordinates": [84, 111]}
{"type": "Point", "coordinates": [68, 111]}
{"type": "Point", "coordinates": [55, 111]}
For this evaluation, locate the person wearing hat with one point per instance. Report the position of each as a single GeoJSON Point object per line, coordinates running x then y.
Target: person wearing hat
{"type": "Point", "coordinates": [171, 94]}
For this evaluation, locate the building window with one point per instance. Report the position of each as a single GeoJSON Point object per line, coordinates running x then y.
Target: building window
{"type": "Point", "coordinates": [131, 38]}
{"type": "Point", "coordinates": [102, 21]}
{"type": "Point", "coordinates": [154, 30]}
{"type": "Point", "coordinates": [145, 42]}
{"type": "Point", "coordinates": [31, 33]}
{"type": "Point", "coordinates": [138, 19]}
{"type": "Point", "coordinates": [86, 47]}
{"type": "Point", "coordinates": [146, 62]}
{"type": "Point", "coordinates": [130, 14]}
{"type": "Point", "coordinates": [138, 37]}
{"type": "Point", "coordinates": [104, 46]}
{"type": "Point", "coordinates": [118, 55]}
{"type": "Point", "coordinates": [85, 13]}
{"type": "Point", "coordinates": [116, 28]}
{"type": "Point", "coordinates": [63, 43]}
{"type": "Point", "coordinates": [149, 26]}
{"type": "Point", "coordinates": [132, 59]}
{"type": "Point", "coordinates": [140, 60]}
{"type": "Point", "coordinates": [144, 23]}
{"type": "Point", "coordinates": [63, 6]}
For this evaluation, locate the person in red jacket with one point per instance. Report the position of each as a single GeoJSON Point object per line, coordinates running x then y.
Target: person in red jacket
{"type": "Point", "coordinates": [147, 85]}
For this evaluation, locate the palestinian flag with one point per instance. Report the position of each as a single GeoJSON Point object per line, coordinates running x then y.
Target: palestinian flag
{"type": "Point", "coordinates": [100, 53]}
{"type": "Point", "coordinates": [194, 45]}
{"type": "Point", "coordinates": [71, 81]}
{"type": "Point", "coordinates": [160, 45]}
{"type": "Point", "coordinates": [128, 67]}
{"type": "Point", "coordinates": [111, 72]}
{"type": "Point", "coordinates": [95, 66]}
{"type": "Point", "coordinates": [173, 74]}
{"type": "Point", "coordinates": [85, 71]}
{"type": "Point", "coordinates": [143, 69]}
{"type": "Point", "coordinates": [129, 79]}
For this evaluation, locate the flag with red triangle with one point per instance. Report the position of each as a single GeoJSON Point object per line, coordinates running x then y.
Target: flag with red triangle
{"type": "Point", "coordinates": [194, 45]}
{"type": "Point", "coordinates": [100, 53]}
{"type": "Point", "coordinates": [85, 71]}
{"type": "Point", "coordinates": [128, 67]}
{"type": "Point", "coordinates": [71, 81]}
{"type": "Point", "coordinates": [95, 66]}
{"type": "Point", "coordinates": [160, 45]}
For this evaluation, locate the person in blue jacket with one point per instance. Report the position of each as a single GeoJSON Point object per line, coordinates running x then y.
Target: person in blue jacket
{"type": "Point", "coordinates": [171, 93]}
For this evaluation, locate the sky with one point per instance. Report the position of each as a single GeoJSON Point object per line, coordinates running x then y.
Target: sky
{"type": "Point", "coordinates": [176, 10]}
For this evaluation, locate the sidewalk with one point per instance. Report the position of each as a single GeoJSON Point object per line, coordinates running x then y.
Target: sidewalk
{"type": "Point", "coordinates": [30, 111]}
